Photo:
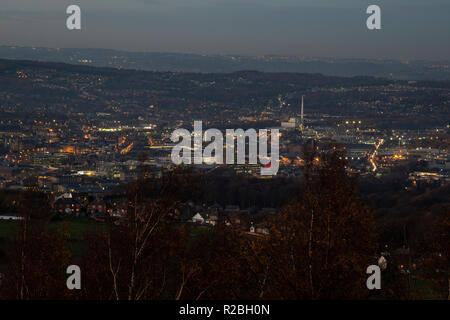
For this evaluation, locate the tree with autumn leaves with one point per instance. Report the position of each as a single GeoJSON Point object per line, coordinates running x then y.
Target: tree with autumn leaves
{"type": "Point", "coordinates": [435, 261]}
{"type": "Point", "coordinates": [318, 247]}
{"type": "Point", "coordinates": [38, 256]}
{"type": "Point", "coordinates": [142, 256]}
{"type": "Point", "coordinates": [321, 244]}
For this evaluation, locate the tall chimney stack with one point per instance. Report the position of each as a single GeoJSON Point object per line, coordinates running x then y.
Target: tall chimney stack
{"type": "Point", "coordinates": [301, 115]}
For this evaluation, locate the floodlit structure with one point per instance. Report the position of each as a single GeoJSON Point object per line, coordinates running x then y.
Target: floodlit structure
{"type": "Point", "coordinates": [302, 115]}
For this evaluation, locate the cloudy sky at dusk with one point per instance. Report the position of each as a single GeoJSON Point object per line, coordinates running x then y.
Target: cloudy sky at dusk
{"type": "Point", "coordinates": [411, 29]}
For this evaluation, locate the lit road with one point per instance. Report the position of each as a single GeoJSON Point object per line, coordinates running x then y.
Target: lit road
{"type": "Point", "coordinates": [372, 156]}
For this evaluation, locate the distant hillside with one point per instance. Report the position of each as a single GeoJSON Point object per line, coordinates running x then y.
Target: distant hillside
{"type": "Point", "coordinates": [154, 61]}
{"type": "Point", "coordinates": [61, 89]}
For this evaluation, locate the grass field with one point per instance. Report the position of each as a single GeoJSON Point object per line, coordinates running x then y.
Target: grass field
{"type": "Point", "coordinates": [77, 228]}
{"type": "Point", "coordinates": [8, 229]}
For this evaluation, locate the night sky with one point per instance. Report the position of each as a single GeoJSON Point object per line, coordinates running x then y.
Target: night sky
{"type": "Point", "coordinates": [411, 29]}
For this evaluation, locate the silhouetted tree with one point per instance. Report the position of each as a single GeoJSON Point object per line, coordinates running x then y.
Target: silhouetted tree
{"type": "Point", "coordinates": [38, 257]}
{"type": "Point", "coordinates": [322, 243]}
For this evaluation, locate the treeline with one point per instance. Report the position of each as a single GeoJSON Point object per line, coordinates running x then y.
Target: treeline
{"type": "Point", "coordinates": [318, 247]}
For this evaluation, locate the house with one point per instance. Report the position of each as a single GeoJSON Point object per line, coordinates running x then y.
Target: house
{"type": "Point", "coordinates": [97, 205]}
{"type": "Point", "coordinates": [262, 229]}
{"type": "Point", "coordinates": [198, 218]}
{"type": "Point", "coordinates": [67, 205]}
{"type": "Point", "coordinates": [211, 218]}
{"type": "Point", "coordinates": [235, 219]}
{"type": "Point", "coordinates": [258, 229]}
{"type": "Point", "coordinates": [116, 205]}
{"type": "Point", "coordinates": [120, 210]}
